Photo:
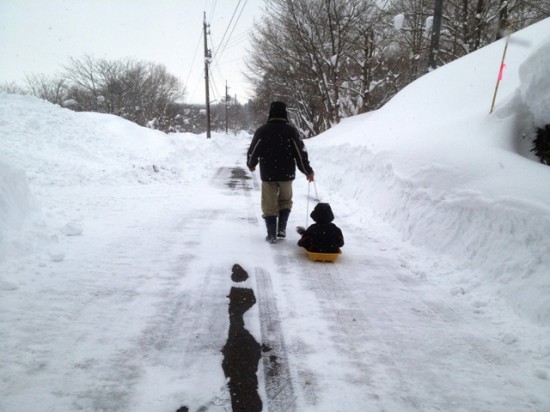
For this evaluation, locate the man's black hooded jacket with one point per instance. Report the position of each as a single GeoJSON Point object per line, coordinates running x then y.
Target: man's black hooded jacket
{"type": "Point", "coordinates": [277, 147]}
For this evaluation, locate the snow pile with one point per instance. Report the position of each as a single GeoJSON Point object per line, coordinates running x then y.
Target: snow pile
{"type": "Point", "coordinates": [15, 200]}
{"type": "Point", "coordinates": [535, 84]}
{"type": "Point", "coordinates": [59, 147]}
{"type": "Point", "coordinates": [16, 204]}
{"type": "Point", "coordinates": [43, 145]}
{"type": "Point", "coordinates": [398, 21]}
{"type": "Point", "coordinates": [451, 178]}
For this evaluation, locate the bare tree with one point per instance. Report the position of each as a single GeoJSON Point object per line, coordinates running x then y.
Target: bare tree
{"type": "Point", "coordinates": [412, 39]}
{"type": "Point", "coordinates": [468, 25]}
{"type": "Point", "coordinates": [50, 88]}
{"type": "Point", "coordinates": [138, 91]}
{"type": "Point", "coordinates": [11, 88]}
{"type": "Point", "coordinates": [314, 55]}
{"type": "Point", "coordinates": [83, 83]}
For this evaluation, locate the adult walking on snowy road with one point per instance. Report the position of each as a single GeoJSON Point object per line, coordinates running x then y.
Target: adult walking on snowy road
{"type": "Point", "coordinates": [277, 147]}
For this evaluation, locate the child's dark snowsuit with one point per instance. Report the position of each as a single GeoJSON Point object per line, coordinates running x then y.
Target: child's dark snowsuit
{"type": "Point", "coordinates": [322, 236]}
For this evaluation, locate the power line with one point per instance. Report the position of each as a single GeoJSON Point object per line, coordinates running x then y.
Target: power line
{"type": "Point", "coordinates": [193, 61]}
{"type": "Point", "coordinates": [197, 82]}
{"type": "Point", "coordinates": [239, 39]}
{"type": "Point", "coordinates": [227, 42]}
{"type": "Point", "coordinates": [213, 9]}
{"type": "Point", "coordinates": [235, 25]}
{"type": "Point", "coordinates": [223, 46]}
{"type": "Point", "coordinates": [215, 90]}
{"type": "Point", "coordinates": [225, 62]}
{"type": "Point", "coordinates": [228, 27]}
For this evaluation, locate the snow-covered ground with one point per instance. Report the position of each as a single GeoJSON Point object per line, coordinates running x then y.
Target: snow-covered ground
{"type": "Point", "coordinates": [117, 245]}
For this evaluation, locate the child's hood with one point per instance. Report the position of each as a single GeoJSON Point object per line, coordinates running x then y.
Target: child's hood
{"type": "Point", "coordinates": [322, 213]}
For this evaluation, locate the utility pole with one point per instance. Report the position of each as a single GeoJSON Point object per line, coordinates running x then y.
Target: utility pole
{"type": "Point", "coordinates": [207, 57]}
{"type": "Point", "coordinates": [226, 104]}
{"type": "Point", "coordinates": [436, 30]}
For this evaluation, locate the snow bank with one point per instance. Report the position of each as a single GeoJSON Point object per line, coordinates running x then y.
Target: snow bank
{"type": "Point", "coordinates": [535, 84]}
{"type": "Point", "coordinates": [16, 204]}
{"type": "Point", "coordinates": [23, 228]}
{"type": "Point", "coordinates": [451, 178]}
{"type": "Point", "coordinates": [15, 199]}
{"type": "Point", "coordinates": [58, 147]}
{"type": "Point", "coordinates": [49, 146]}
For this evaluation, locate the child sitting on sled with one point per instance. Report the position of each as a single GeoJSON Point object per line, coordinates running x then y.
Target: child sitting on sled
{"type": "Point", "coordinates": [323, 236]}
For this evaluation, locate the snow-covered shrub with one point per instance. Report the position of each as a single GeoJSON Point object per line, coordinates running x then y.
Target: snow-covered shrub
{"type": "Point", "coordinates": [534, 76]}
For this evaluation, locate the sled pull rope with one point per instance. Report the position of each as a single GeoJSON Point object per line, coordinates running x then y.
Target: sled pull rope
{"type": "Point", "coordinates": [316, 199]}
{"type": "Point", "coordinates": [316, 195]}
{"type": "Point", "coordinates": [307, 207]}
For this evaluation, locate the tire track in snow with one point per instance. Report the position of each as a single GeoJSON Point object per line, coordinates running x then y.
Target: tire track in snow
{"type": "Point", "coordinates": [424, 344]}
{"type": "Point", "coordinates": [356, 338]}
{"type": "Point", "coordinates": [188, 327]}
{"type": "Point", "coordinates": [278, 381]}
{"type": "Point", "coordinates": [278, 385]}
{"type": "Point", "coordinates": [239, 183]}
{"type": "Point", "coordinates": [287, 258]}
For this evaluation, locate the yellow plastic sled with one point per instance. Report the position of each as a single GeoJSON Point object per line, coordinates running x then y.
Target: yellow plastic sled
{"type": "Point", "coordinates": [323, 257]}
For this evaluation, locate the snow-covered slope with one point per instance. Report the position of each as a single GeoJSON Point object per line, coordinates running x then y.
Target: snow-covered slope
{"type": "Point", "coordinates": [43, 145]}
{"type": "Point", "coordinates": [453, 178]}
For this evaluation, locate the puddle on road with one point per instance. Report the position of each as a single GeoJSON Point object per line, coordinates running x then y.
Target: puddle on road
{"type": "Point", "coordinates": [239, 176]}
{"type": "Point", "coordinates": [238, 274]}
{"type": "Point", "coordinates": [241, 354]}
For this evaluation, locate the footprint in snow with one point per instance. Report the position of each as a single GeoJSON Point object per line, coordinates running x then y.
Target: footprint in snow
{"type": "Point", "coordinates": [72, 229]}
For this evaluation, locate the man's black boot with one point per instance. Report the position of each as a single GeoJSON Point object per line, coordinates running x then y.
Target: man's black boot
{"type": "Point", "coordinates": [283, 219]}
{"type": "Point", "coordinates": [271, 225]}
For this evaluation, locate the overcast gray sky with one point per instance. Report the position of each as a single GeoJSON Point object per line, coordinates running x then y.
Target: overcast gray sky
{"type": "Point", "coordinates": [39, 36]}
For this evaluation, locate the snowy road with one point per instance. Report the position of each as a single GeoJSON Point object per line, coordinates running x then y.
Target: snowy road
{"type": "Point", "coordinates": [119, 246]}
{"type": "Point", "coordinates": [136, 315]}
